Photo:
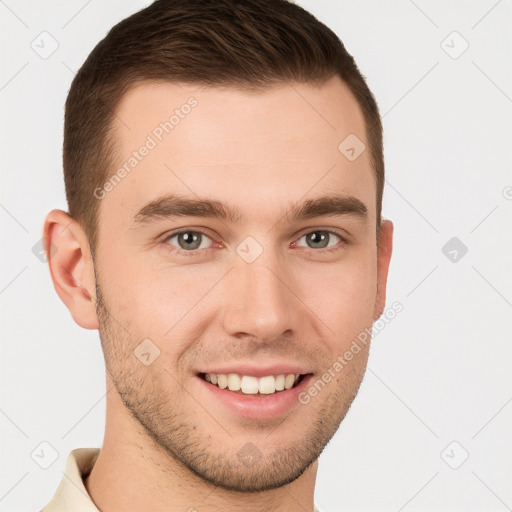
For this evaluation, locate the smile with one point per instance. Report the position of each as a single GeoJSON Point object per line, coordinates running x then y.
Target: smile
{"type": "Point", "coordinates": [250, 385]}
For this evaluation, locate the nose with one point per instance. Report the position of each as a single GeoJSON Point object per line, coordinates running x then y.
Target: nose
{"type": "Point", "coordinates": [259, 301]}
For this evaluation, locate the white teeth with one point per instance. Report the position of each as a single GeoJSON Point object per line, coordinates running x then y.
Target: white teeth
{"type": "Point", "coordinates": [222, 381]}
{"type": "Point", "coordinates": [250, 385]}
{"type": "Point", "coordinates": [267, 385]}
{"type": "Point", "coordinates": [233, 382]}
{"type": "Point", "coordinates": [288, 382]}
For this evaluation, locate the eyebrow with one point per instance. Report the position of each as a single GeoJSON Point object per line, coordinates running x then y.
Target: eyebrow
{"type": "Point", "coordinates": [171, 206]}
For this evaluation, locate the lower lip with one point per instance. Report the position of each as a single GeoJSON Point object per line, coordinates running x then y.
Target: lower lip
{"type": "Point", "coordinates": [258, 406]}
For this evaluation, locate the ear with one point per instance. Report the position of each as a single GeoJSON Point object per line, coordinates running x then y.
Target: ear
{"type": "Point", "coordinates": [71, 266]}
{"type": "Point", "coordinates": [384, 250]}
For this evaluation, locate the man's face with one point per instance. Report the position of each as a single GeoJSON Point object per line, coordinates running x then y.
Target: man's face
{"type": "Point", "coordinates": [258, 295]}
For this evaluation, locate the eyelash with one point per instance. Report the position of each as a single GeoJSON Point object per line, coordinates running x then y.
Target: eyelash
{"type": "Point", "coordinates": [182, 252]}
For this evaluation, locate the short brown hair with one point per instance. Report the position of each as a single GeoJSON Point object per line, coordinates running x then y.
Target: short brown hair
{"type": "Point", "coordinates": [248, 44]}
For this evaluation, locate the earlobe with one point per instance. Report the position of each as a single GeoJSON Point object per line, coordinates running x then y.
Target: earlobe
{"type": "Point", "coordinates": [71, 267]}
{"type": "Point", "coordinates": [384, 249]}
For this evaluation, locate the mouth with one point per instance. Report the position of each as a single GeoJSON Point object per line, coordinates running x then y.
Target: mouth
{"type": "Point", "coordinates": [251, 385]}
{"type": "Point", "coordinates": [256, 393]}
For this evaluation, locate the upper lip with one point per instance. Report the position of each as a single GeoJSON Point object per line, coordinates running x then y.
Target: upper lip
{"type": "Point", "coordinates": [259, 371]}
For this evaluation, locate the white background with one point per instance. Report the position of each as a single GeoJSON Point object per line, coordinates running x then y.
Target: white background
{"type": "Point", "coordinates": [438, 373]}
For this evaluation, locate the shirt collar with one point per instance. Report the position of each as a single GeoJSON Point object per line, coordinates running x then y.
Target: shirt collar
{"type": "Point", "coordinates": [71, 493]}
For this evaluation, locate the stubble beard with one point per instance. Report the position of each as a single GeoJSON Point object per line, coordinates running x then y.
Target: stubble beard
{"type": "Point", "coordinates": [190, 446]}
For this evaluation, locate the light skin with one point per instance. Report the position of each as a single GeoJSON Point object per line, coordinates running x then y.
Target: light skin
{"type": "Point", "coordinates": [169, 444]}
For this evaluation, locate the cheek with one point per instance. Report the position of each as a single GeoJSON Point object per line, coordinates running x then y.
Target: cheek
{"type": "Point", "coordinates": [342, 296]}
{"type": "Point", "coordinates": [161, 301]}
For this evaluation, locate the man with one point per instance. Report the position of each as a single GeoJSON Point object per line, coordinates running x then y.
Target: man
{"type": "Point", "coordinates": [224, 175]}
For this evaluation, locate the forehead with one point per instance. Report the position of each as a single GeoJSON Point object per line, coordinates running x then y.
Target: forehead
{"type": "Point", "coordinates": [256, 150]}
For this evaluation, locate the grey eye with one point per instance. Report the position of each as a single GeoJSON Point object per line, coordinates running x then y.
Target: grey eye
{"type": "Point", "coordinates": [189, 240]}
{"type": "Point", "coordinates": [320, 239]}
